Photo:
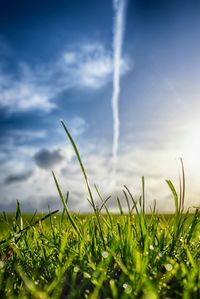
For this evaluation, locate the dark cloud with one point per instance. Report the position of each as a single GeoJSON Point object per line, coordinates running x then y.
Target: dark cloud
{"type": "Point", "coordinates": [18, 177]}
{"type": "Point", "coordinates": [46, 159]}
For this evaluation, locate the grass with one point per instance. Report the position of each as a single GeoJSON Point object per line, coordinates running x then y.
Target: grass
{"type": "Point", "coordinates": [130, 255]}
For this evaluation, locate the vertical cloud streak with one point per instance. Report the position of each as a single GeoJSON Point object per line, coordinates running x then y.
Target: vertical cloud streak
{"type": "Point", "coordinates": [119, 7]}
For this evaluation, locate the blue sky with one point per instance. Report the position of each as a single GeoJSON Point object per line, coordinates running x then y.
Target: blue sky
{"type": "Point", "coordinates": [56, 62]}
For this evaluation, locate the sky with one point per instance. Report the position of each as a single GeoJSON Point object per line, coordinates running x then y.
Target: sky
{"type": "Point", "coordinates": [56, 62]}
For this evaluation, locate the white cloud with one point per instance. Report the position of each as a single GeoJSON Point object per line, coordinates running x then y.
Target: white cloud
{"type": "Point", "coordinates": [78, 126]}
{"type": "Point", "coordinates": [95, 73]}
{"type": "Point", "coordinates": [92, 65]}
{"type": "Point", "coordinates": [22, 96]}
{"type": "Point", "coordinates": [86, 66]}
{"type": "Point", "coordinates": [94, 47]}
{"type": "Point", "coordinates": [69, 58]}
{"type": "Point", "coordinates": [27, 135]}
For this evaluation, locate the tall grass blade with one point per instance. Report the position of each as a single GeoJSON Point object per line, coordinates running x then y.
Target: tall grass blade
{"type": "Point", "coordinates": [86, 180]}
{"type": "Point", "coordinates": [175, 195]}
{"type": "Point", "coordinates": [66, 207]}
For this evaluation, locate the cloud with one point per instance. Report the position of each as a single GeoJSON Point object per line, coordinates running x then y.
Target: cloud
{"type": "Point", "coordinates": [92, 65]}
{"type": "Point", "coordinates": [18, 177]}
{"type": "Point", "coordinates": [84, 66]}
{"type": "Point", "coordinates": [69, 58]}
{"type": "Point", "coordinates": [78, 126]}
{"type": "Point", "coordinates": [13, 137]}
{"type": "Point", "coordinates": [47, 159]}
{"type": "Point", "coordinates": [17, 148]}
{"type": "Point", "coordinates": [20, 95]}
{"type": "Point", "coordinates": [95, 73]}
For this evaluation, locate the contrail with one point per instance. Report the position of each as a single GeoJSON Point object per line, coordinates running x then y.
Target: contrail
{"type": "Point", "coordinates": [119, 7]}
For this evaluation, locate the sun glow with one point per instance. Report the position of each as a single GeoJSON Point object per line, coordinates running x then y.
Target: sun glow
{"type": "Point", "coordinates": [191, 149]}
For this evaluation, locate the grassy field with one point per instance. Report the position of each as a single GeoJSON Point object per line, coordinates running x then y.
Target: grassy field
{"type": "Point", "coordinates": [130, 255]}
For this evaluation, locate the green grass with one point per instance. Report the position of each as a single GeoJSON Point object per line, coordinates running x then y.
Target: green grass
{"type": "Point", "coordinates": [130, 255]}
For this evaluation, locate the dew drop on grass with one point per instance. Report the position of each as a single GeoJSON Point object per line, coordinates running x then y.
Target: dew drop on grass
{"type": "Point", "coordinates": [125, 285]}
{"type": "Point", "coordinates": [76, 269]}
{"type": "Point", "coordinates": [127, 288]}
{"type": "Point", "coordinates": [104, 254]}
{"type": "Point", "coordinates": [168, 267]}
